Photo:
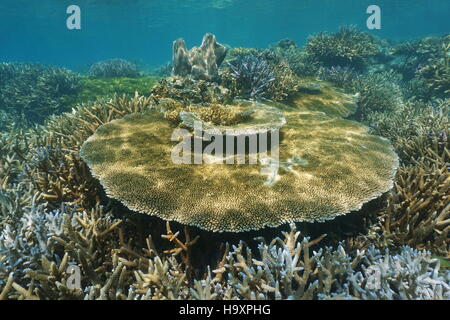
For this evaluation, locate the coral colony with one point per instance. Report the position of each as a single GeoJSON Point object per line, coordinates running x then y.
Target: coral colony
{"type": "Point", "coordinates": [146, 184]}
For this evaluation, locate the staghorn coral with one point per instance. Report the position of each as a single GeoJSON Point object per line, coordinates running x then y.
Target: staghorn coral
{"type": "Point", "coordinates": [302, 64]}
{"type": "Point", "coordinates": [424, 64]}
{"type": "Point", "coordinates": [342, 77]}
{"type": "Point", "coordinates": [436, 73]}
{"type": "Point", "coordinates": [348, 47]}
{"type": "Point", "coordinates": [54, 168]}
{"type": "Point", "coordinates": [418, 211]}
{"type": "Point", "coordinates": [260, 74]}
{"type": "Point", "coordinates": [316, 151]}
{"type": "Point", "coordinates": [285, 268]}
{"type": "Point", "coordinates": [32, 92]}
{"type": "Point", "coordinates": [378, 92]}
{"type": "Point", "coordinates": [419, 131]}
{"type": "Point", "coordinates": [252, 74]}
{"type": "Point", "coordinates": [416, 214]}
{"type": "Point", "coordinates": [114, 68]}
{"type": "Point", "coordinates": [200, 62]}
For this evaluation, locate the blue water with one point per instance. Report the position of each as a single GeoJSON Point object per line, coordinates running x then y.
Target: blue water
{"type": "Point", "coordinates": [143, 30]}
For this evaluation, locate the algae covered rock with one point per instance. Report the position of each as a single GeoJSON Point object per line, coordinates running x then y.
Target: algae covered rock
{"type": "Point", "coordinates": [325, 167]}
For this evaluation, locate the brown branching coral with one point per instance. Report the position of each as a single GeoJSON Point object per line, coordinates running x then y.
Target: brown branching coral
{"type": "Point", "coordinates": [182, 248]}
{"type": "Point", "coordinates": [347, 47]}
{"type": "Point", "coordinates": [419, 131]}
{"type": "Point", "coordinates": [418, 210]}
{"type": "Point", "coordinates": [54, 166]}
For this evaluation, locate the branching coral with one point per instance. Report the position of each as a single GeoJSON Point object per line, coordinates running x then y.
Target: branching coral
{"type": "Point", "coordinates": [32, 92]}
{"type": "Point", "coordinates": [285, 268]}
{"type": "Point", "coordinates": [260, 74]}
{"type": "Point", "coordinates": [378, 92]}
{"type": "Point", "coordinates": [252, 74]}
{"type": "Point", "coordinates": [302, 64]}
{"type": "Point", "coordinates": [425, 64]}
{"type": "Point", "coordinates": [418, 211]}
{"type": "Point", "coordinates": [419, 131]}
{"type": "Point", "coordinates": [114, 68]}
{"type": "Point", "coordinates": [436, 73]}
{"type": "Point", "coordinates": [348, 47]}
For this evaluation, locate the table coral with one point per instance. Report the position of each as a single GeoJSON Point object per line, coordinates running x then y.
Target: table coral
{"type": "Point", "coordinates": [328, 166]}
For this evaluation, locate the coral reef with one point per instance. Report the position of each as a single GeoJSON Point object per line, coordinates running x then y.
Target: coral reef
{"type": "Point", "coordinates": [436, 74]}
{"type": "Point", "coordinates": [200, 62]}
{"type": "Point", "coordinates": [55, 216]}
{"type": "Point", "coordinates": [348, 47]}
{"type": "Point", "coordinates": [31, 92]}
{"type": "Point", "coordinates": [377, 92]}
{"type": "Point", "coordinates": [114, 68]}
{"type": "Point", "coordinates": [418, 211]}
{"type": "Point", "coordinates": [425, 64]}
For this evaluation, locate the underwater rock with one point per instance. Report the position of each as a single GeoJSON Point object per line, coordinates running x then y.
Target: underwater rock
{"type": "Point", "coordinates": [326, 167]}
{"type": "Point", "coordinates": [200, 62]}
